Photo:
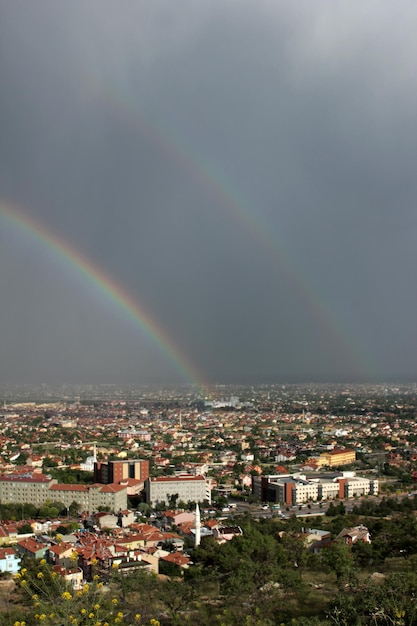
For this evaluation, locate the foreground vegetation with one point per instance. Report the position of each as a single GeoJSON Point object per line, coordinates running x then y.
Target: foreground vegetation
{"type": "Point", "coordinates": [264, 577]}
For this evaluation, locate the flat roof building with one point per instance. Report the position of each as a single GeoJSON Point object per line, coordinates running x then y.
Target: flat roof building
{"type": "Point", "coordinates": [186, 488]}
{"type": "Point", "coordinates": [297, 488]}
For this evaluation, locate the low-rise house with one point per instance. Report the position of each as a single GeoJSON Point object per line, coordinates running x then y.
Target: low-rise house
{"type": "Point", "coordinates": [73, 575]}
{"type": "Point", "coordinates": [356, 534]}
{"type": "Point", "coordinates": [226, 533]}
{"type": "Point", "coordinates": [61, 554]}
{"type": "Point", "coordinates": [138, 560]}
{"type": "Point", "coordinates": [177, 558]}
{"type": "Point", "coordinates": [109, 520]}
{"type": "Point", "coordinates": [32, 548]}
{"type": "Point", "coordinates": [9, 561]}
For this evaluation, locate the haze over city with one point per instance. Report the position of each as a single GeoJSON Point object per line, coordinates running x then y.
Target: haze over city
{"type": "Point", "coordinates": [212, 191]}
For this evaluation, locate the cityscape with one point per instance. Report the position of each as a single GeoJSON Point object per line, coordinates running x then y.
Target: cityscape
{"type": "Point", "coordinates": [208, 339]}
{"type": "Point", "coordinates": [137, 479]}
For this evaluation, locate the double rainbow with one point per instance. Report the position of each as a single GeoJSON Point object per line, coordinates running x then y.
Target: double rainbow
{"type": "Point", "coordinates": [114, 293]}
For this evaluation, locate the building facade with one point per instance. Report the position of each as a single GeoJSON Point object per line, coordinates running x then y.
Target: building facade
{"type": "Point", "coordinates": [118, 470]}
{"type": "Point", "coordinates": [336, 457]}
{"type": "Point", "coordinates": [37, 489]}
{"type": "Point", "coordinates": [296, 488]}
{"type": "Point", "coordinates": [186, 488]}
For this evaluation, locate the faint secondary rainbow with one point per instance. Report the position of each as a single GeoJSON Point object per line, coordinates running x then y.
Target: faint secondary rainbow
{"type": "Point", "coordinates": [209, 178]}
{"type": "Point", "coordinates": [114, 293]}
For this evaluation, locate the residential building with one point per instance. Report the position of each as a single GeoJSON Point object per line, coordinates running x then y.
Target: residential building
{"type": "Point", "coordinates": [37, 489]}
{"type": "Point", "coordinates": [335, 458]}
{"type": "Point", "coordinates": [356, 534]}
{"type": "Point", "coordinates": [31, 488]}
{"type": "Point", "coordinates": [9, 561]}
{"type": "Point", "coordinates": [32, 548]}
{"type": "Point", "coordinates": [187, 488]}
{"type": "Point", "coordinates": [91, 497]}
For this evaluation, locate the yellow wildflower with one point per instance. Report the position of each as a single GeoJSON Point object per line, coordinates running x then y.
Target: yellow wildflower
{"type": "Point", "coordinates": [23, 571]}
{"type": "Point", "coordinates": [66, 595]}
{"type": "Point", "coordinates": [115, 601]}
{"type": "Point", "coordinates": [96, 607]}
{"type": "Point", "coordinates": [137, 616]}
{"type": "Point", "coordinates": [83, 611]}
{"type": "Point", "coordinates": [39, 575]}
{"type": "Point", "coordinates": [42, 562]}
{"type": "Point", "coordinates": [23, 582]}
{"type": "Point", "coordinates": [115, 565]}
{"type": "Point", "coordinates": [91, 615]}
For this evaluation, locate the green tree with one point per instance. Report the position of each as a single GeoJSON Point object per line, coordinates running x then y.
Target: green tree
{"type": "Point", "coordinates": [339, 559]}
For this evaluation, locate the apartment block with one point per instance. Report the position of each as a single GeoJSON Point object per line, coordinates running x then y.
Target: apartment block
{"type": "Point", "coordinates": [187, 488]}
{"type": "Point", "coordinates": [37, 489]}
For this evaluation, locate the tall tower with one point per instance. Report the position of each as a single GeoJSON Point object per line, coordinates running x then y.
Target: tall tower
{"type": "Point", "coordinates": [197, 538]}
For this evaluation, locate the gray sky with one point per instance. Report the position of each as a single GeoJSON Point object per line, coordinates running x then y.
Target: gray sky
{"type": "Point", "coordinates": [244, 171]}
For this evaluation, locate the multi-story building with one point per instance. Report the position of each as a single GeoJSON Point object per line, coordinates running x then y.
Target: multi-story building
{"type": "Point", "coordinates": [187, 488]}
{"type": "Point", "coordinates": [32, 488]}
{"type": "Point", "coordinates": [37, 489]}
{"type": "Point", "coordinates": [335, 458]}
{"type": "Point", "coordinates": [91, 498]}
{"type": "Point", "coordinates": [296, 488]}
{"type": "Point", "coordinates": [118, 470]}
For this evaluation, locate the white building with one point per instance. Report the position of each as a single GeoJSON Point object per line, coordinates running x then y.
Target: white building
{"type": "Point", "coordinates": [297, 488]}
{"type": "Point", "coordinates": [187, 488]}
{"type": "Point", "coordinates": [37, 489]}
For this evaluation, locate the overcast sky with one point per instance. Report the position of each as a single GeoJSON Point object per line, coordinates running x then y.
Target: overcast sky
{"type": "Point", "coordinates": [244, 171]}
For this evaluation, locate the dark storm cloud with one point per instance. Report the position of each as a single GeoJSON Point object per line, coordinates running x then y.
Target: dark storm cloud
{"type": "Point", "coordinates": [127, 129]}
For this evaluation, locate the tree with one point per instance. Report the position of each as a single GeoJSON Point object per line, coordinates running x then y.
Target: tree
{"type": "Point", "coordinates": [172, 500]}
{"type": "Point", "coordinates": [21, 459]}
{"type": "Point", "coordinates": [25, 528]}
{"type": "Point", "coordinates": [74, 508]}
{"type": "Point", "coordinates": [339, 559]}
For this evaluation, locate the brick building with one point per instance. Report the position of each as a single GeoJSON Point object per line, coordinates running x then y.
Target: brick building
{"type": "Point", "coordinates": [118, 470]}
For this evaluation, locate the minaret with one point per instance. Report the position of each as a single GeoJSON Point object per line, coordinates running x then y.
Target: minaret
{"type": "Point", "coordinates": [197, 538]}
